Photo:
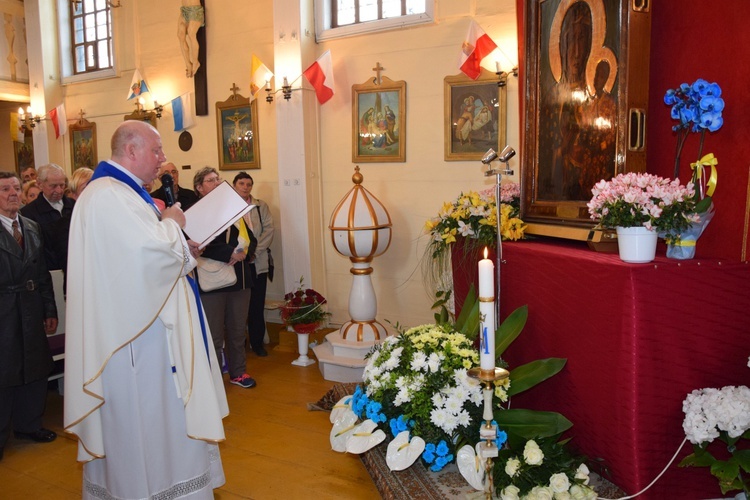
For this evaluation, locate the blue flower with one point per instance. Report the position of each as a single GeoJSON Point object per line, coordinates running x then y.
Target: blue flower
{"type": "Point", "coordinates": [428, 455]}
{"type": "Point", "coordinates": [373, 412]}
{"type": "Point", "coordinates": [359, 401]}
{"type": "Point", "coordinates": [442, 448]}
{"type": "Point", "coordinates": [399, 425]}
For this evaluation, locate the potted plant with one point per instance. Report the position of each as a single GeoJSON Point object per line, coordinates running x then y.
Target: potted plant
{"type": "Point", "coordinates": [697, 107]}
{"type": "Point", "coordinates": [470, 219]}
{"type": "Point", "coordinates": [722, 414]}
{"type": "Point", "coordinates": [304, 309]}
{"type": "Point", "coordinates": [641, 207]}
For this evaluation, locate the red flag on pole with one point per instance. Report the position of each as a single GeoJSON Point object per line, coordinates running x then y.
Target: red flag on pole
{"type": "Point", "coordinates": [320, 76]}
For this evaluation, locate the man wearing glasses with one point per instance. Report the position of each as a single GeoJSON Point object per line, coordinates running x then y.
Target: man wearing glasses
{"type": "Point", "coordinates": [186, 197]}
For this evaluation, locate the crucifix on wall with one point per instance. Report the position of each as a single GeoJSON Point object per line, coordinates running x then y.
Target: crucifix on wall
{"type": "Point", "coordinates": [193, 46]}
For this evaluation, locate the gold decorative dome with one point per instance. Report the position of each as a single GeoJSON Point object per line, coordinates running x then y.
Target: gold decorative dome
{"type": "Point", "coordinates": [360, 225]}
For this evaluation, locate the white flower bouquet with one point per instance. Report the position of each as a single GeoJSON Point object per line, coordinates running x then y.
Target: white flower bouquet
{"type": "Point", "coordinates": [722, 414]}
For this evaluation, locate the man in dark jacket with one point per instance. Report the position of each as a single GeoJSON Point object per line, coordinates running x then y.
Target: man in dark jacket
{"type": "Point", "coordinates": [27, 312]}
{"type": "Point", "coordinates": [186, 197]}
{"type": "Point", "coordinates": [52, 212]}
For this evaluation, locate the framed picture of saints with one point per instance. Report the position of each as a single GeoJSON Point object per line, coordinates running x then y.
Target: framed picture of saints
{"type": "Point", "coordinates": [83, 144]}
{"type": "Point", "coordinates": [379, 121]}
{"type": "Point", "coordinates": [237, 133]}
{"type": "Point", "coordinates": [475, 118]}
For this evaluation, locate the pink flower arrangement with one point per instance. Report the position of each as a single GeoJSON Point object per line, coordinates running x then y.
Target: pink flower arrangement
{"type": "Point", "coordinates": [640, 199]}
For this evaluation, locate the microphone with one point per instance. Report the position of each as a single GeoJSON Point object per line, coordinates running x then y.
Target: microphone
{"type": "Point", "coordinates": [167, 183]}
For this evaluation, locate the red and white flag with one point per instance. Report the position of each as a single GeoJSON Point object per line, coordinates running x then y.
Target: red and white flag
{"type": "Point", "coordinates": [59, 120]}
{"type": "Point", "coordinates": [477, 45]}
{"type": "Point", "coordinates": [320, 76]}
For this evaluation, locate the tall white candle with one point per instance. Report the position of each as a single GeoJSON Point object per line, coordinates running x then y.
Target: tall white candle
{"type": "Point", "coordinates": [487, 313]}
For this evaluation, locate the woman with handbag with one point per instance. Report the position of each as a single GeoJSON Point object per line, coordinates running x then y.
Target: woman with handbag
{"type": "Point", "coordinates": [259, 219]}
{"type": "Point", "coordinates": [225, 278]}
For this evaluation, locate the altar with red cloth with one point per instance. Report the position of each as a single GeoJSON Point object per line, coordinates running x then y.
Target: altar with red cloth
{"type": "Point", "coordinates": [638, 338]}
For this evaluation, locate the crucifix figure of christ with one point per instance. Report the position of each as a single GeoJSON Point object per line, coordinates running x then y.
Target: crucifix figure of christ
{"type": "Point", "coordinates": [190, 20]}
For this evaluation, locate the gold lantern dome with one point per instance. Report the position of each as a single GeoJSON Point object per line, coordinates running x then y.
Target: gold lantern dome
{"type": "Point", "coordinates": [360, 225]}
{"type": "Point", "coordinates": [361, 230]}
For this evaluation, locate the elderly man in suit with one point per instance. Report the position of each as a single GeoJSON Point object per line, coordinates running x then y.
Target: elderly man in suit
{"type": "Point", "coordinates": [52, 212]}
{"type": "Point", "coordinates": [27, 312]}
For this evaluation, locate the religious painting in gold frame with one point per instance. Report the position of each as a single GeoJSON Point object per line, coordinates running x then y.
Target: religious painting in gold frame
{"type": "Point", "coordinates": [585, 100]}
{"type": "Point", "coordinates": [23, 152]}
{"type": "Point", "coordinates": [379, 121]}
{"type": "Point", "coordinates": [475, 116]}
{"type": "Point", "coordinates": [143, 116]}
{"type": "Point", "coordinates": [83, 144]}
{"type": "Point", "coordinates": [237, 133]}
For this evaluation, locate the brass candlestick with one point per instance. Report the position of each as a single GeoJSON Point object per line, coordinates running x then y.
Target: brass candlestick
{"type": "Point", "coordinates": [488, 432]}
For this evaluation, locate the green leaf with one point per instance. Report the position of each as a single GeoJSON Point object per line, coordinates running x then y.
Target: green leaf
{"type": "Point", "coordinates": [468, 321]}
{"type": "Point", "coordinates": [527, 376]}
{"type": "Point", "coordinates": [725, 471]}
{"type": "Point", "coordinates": [703, 205]}
{"type": "Point", "coordinates": [531, 424]}
{"type": "Point", "coordinates": [742, 457]}
{"type": "Point", "coordinates": [697, 459]}
{"type": "Point", "coordinates": [509, 330]}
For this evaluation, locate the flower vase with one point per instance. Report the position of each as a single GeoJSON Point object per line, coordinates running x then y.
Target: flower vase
{"type": "Point", "coordinates": [683, 246]}
{"type": "Point", "coordinates": [303, 342]}
{"type": "Point", "coordinates": [637, 245]}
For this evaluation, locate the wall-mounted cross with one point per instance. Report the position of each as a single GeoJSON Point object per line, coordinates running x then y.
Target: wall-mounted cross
{"type": "Point", "coordinates": [377, 69]}
{"type": "Point", "coordinates": [234, 90]}
{"type": "Point", "coordinates": [80, 116]}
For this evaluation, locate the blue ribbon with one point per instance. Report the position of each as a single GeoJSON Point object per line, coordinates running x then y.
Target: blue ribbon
{"type": "Point", "coordinates": [196, 291]}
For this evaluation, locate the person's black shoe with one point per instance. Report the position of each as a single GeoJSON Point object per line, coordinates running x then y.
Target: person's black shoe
{"type": "Point", "coordinates": [40, 436]}
{"type": "Point", "coordinates": [260, 351]}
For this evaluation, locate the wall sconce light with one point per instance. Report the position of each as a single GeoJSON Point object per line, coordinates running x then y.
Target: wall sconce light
{"type": "Point", "coordinates": [502, 76]}
{"type": "Point", "coordinates": [141, 110]}
{"type": "Point", "coordinates": [158, 109]}
{"type": "Point", "coordinates": [286, 89]}
{"type": "Point", "coordinates": [27, 119]}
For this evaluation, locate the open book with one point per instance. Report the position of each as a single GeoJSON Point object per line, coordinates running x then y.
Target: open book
{"type": "Point", "coordinates": [213, 213]}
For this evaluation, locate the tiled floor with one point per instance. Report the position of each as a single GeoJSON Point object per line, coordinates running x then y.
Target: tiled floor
{"type": "Point", "coordinates": [275, 447]}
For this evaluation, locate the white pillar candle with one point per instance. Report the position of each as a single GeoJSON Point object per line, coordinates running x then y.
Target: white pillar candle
{"type": "Point", "coordinates": [487, 313]}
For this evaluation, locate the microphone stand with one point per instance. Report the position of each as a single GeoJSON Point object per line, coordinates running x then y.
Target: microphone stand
{"type": "Point", "coordinates": [499, 245]}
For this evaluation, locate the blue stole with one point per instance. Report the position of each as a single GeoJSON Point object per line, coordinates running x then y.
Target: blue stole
{"type": "Point", "coordinates": [106, 169]}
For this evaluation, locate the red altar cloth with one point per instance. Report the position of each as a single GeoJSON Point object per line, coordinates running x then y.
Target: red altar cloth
{"type": "Point", "coordinates": [638, 339]}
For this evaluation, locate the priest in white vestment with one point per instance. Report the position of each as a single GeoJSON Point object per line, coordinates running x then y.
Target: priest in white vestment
{"type": "Point", "coordinates": [143, 388]}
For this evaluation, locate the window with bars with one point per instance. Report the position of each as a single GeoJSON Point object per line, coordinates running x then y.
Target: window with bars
{"type": "Point", "coordinates": [338, 18]}
{"type": "Point", "coordinates": [91, 36]}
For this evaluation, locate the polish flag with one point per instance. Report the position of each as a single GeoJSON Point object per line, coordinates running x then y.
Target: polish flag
{"type": "Point", "coordinates": [476, 47]}
{"type": "Point", "coordinates": [59, 120]}
{"type": "Point", "coordinates": [320, 76]}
